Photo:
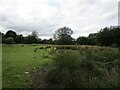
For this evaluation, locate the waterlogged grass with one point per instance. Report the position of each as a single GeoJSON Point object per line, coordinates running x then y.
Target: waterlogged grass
{"type": "Point", "coordinates": [18, 60]}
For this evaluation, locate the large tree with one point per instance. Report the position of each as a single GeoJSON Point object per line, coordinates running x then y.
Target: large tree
{"type": "Point", "coordinates": [92, 39]}
{"type": "Point", "coordinates": [35, 34]}
{"type": "Point", "coordinates": [109, 36]}
{"type": "Point", "coordinates": [19, 38]}
{"type": "Point", "coordinates": [63, 36]}
{"type": "Point", "coordinates": [33, 38]}
{"type": "Point", "coordinates": [11, 33]}
{"type": "Point", "coordinates": [82, 40]}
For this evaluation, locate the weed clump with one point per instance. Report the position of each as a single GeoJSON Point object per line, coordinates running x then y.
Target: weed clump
{"type": "Point", "coordinates": [86, 67]}
{"type": "Point", "coordinates": [75, 69]}
{"type": "Point", "coordinates": [69, 68]}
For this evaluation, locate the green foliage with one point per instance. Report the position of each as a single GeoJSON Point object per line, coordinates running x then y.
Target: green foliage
{"type": "Point", "coordinates": [82, 40]}
{"type": "Point", "coordinates": [35, 34]}
{"type": "Point", "coordinates": [92, 39]}
{"type": "Point", "coordinates": [109, 36]}
{"type": "Point", "coordinates": [9, 40]}
{"type": "Point", "coordinates": [63, 36]}
{"type": "Point", "coordinates": [85, 68]}
{"type": "Point", "coordinates": [30, 39]}
{"type": "Point", "coordinates": [10, 33]}
{"type": "Point", "coordinates": [63, 67]}
{"type": "Point", "coordinates": [19, 39]}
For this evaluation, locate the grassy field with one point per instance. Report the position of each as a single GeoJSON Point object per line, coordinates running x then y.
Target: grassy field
{"type": "Point", "coordinates": [17, 60]}
{"type": "Point", "coordinates": [90, 64]}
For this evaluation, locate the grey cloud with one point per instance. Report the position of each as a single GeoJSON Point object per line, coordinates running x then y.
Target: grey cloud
{"type": "Point", "coordinates": [83, 17]}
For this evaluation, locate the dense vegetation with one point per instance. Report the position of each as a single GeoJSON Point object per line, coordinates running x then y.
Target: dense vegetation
{"type": "Point", "coordinates": [86, 67]}
{"type": "Point", "coordinates": [108, 36]}
{"type": "Point", "coordinates": [68, 66]}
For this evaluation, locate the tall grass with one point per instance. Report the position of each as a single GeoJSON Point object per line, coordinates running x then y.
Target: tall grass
{"type": "Point", "coordinates": [84, 68]}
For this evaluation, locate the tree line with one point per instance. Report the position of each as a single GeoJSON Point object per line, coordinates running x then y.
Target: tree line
{"type": "Point", "coordinates": [108, 36]}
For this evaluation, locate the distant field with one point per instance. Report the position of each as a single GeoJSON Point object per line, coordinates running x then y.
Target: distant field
{"type": "Point", "coordinates": [19, 60]}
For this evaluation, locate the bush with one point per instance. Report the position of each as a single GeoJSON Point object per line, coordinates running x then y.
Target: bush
{"type": "Point", "coordinates": [69, 68]}
{"type": "Point", "coordinates": [75, 69]}
{"type": "Point", "coordinates": [9, 40]}
{"type": "Point", "coordinates": [86, 67]}
{"type": "Point", "coordinates": [63, 66]}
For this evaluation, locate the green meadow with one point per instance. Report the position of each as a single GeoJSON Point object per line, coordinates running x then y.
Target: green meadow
{"type": "Point", "coordinates": [64, 66]}
{"type": "Point", "coordinates": [17, 60]}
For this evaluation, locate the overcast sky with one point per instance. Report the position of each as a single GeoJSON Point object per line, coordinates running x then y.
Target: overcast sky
{"type": "Point", "coordinates": [46, 16]}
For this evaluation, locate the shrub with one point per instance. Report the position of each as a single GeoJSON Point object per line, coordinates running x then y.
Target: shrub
{"type": "Point", "coordinates": [35, 50]}
{"type": "Point", "coordinates": [64, 64]}
{"type": "Point", "coordinates": [22, 45]}
{"type": "Point", "coordinates": [69, 68]}
{"type": "Point", "coordinates": [9, 40]}
{"type": "Point", "coordinates": [82, 69]}
{"type": "Point", "coordinates": [86, 67]}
